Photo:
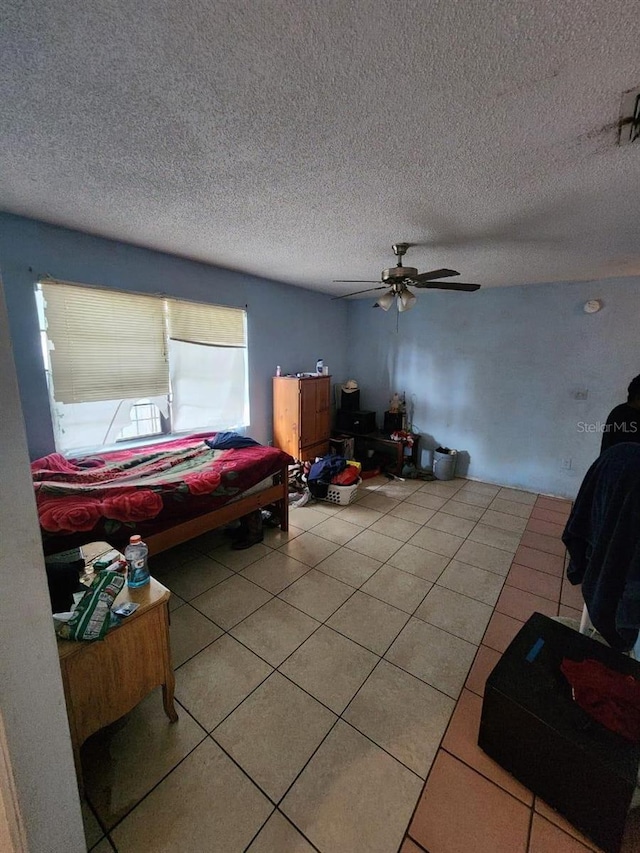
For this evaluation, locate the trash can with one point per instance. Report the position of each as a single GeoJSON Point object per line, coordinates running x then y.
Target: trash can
{"type": "Point", "coordinates": [444, 464]}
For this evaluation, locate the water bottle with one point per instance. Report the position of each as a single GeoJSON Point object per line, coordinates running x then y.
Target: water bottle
{"type": "Point", "coordinates": [136, 554]}
{"type": "Point", "coordinates": [319, 366]}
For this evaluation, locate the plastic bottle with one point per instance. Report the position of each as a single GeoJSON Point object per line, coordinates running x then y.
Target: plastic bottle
{"type": "Point", "coordinates": [278, 370]}
{"type": "Point", "coordinates": [136, 554]}
{"type": "Point", "coordinates": [319, 366]}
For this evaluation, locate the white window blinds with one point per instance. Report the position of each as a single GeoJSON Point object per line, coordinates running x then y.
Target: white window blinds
{"type": "Point", "coordinates": [215, 325]}
{"type": "Point", "coordinates": [111, 345]}
{"type": "Point", "coordinates": [108, 345]}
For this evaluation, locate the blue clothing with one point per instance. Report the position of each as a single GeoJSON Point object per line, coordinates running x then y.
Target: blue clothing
{"type": "Point", "coordinates": [322, 472]}
{"type": "Point", "coordinates": [229, 440]}
{"type": "Point", "coordinates": [602, 536]}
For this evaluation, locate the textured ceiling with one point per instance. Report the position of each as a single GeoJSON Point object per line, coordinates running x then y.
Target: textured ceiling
{"type": "Point", "coordinates": [298, 139]}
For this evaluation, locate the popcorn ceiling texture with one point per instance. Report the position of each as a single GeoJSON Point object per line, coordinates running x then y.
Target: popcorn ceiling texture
{"type": "Point", "coordinates": [299, 140]}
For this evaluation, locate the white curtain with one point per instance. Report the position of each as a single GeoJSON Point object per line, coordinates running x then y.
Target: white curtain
{"type": "Point", "coordinates": [208, 385]}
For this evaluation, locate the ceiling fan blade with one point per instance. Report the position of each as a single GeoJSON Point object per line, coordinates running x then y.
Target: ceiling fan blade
{"type": "Point", "coordinates": [356, 292]}
{"type": "Point", "coordinates": [444, 285]}
{"type": "Point", "coordinates": [429, 276]}
{"type": "Point", "coordinates": [356, 281]}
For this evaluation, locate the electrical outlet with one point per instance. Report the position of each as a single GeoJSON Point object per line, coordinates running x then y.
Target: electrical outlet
{"type": "Point", "coordinates": [567, 463]}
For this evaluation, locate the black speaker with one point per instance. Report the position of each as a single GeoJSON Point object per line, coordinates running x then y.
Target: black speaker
{"type": "Point", "coordinates": [358, 421]}
{"type": "Point", "coordinates": [350, 400]}
{"type": "Point", "coordinates": [392, 422]}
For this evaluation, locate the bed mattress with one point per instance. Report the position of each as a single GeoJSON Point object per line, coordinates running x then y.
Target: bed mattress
{"type": "Point", "coordinates": [143, 490]}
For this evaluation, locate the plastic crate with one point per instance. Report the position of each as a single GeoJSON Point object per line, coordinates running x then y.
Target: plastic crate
{"type": "Point", "coordinates": [342, 495]}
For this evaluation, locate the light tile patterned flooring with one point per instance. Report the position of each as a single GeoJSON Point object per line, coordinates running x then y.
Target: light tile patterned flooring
{"type": "Point", "coordinates": [324, 675]}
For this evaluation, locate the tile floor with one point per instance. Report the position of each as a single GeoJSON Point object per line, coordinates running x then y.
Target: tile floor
{"type": "Point", "coordinates": [324, 676]}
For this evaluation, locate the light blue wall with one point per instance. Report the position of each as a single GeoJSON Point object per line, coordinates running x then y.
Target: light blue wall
{"type": "Point", "coordinates": [494, 373]}
{"type": "Point", "coordinates": [286, 325]}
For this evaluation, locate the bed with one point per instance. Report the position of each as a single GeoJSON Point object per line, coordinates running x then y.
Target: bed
{"type": "Point", "coordinates": [168, 492]}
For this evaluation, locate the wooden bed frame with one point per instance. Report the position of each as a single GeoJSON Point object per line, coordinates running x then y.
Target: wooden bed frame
{"type": "Point", "coordinates": [277, 494]}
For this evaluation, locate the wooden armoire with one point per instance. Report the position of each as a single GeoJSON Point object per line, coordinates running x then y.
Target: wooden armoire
{"type": "Point", "coordinates": [302, 415]}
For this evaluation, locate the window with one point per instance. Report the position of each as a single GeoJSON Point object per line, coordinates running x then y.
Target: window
{"type": "Point", "coordinates": [145, 421]}
{"type": "Point", "coordinates": [124, 366]}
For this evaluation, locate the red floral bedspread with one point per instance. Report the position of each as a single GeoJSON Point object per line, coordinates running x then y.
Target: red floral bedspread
{"type": "Point", "coordinates": [144, 489]}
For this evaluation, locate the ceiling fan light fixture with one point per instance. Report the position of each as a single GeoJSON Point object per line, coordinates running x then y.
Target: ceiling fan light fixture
{"type": "Point", "coordinates": [398, 277]}
{"type": "Point", "coordinates": [386, 300]}
{"type": "Point", "coordinates": [406, 300]}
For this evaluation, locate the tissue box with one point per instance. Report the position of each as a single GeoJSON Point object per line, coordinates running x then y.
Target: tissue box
{"type": "Point", "coordinates": [533, 728]}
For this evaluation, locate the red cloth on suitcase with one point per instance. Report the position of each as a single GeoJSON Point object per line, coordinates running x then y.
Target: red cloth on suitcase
{"type": "Point", "coordinates": [610, 697]}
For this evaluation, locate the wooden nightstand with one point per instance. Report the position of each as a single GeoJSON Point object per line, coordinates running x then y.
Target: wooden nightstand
{"type": "Point", "coordinates": [105, 679]}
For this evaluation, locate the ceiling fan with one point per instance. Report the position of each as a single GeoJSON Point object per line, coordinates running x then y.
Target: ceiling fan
{"type": "Point", "coordinates": [399, 277]}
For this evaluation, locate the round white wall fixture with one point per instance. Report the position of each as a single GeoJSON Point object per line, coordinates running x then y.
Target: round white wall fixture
{"type": "Point", "coordinates": [592, 306]}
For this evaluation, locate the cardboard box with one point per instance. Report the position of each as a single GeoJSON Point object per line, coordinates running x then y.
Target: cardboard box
{"type": "Point", "coordinates": [342, 445]}
{"type": "Point", "coordinates": [533, 728]}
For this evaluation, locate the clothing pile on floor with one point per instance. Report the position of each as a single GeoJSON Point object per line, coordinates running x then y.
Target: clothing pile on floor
{"type": "Point", "coordinates": [298, 473]}
{"type": "Point", "coordinates": [312, 479]}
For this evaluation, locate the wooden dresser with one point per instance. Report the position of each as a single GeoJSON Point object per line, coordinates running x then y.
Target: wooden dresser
{"type": "Point", "coordinates": [302, 415]}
